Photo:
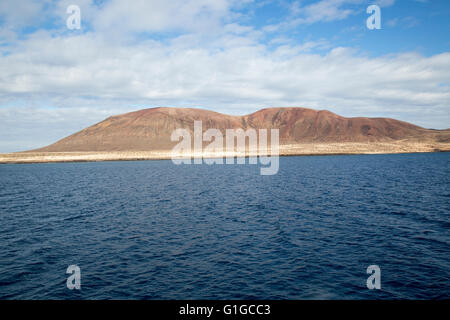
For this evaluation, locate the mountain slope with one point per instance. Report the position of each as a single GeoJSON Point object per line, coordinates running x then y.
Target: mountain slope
{"type": "Point", "coordinates": [150, 129]}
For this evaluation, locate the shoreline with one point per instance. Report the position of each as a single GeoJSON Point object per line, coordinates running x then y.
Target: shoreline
{"type": "Point", "coordinates": [307, 149]}
{"type": "Point", "coordinates": [167, 159]}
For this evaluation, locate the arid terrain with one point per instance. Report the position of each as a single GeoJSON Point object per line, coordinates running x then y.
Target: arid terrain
{"type": "Point", "coordinates": [145, 134]}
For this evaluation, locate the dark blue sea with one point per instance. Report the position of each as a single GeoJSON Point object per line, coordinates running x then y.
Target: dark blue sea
{"type": "Point", "coordinates": [155, 230]}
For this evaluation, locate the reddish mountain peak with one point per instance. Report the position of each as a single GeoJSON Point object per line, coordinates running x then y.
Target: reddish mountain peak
{"type": "Point", "coordinates": [150, 129]}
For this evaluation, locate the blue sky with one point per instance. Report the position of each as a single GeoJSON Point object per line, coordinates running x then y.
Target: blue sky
{"type": "Point", "coordinates": [225, 55]}
{"type": "Point", "coordinates": [407, 25]}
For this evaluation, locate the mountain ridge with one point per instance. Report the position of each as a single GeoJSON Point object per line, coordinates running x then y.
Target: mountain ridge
{"type": "Point", "coordinates": [150, 129]}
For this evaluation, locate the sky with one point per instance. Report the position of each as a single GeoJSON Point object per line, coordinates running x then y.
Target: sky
{"type": "Point", "coordinates": [230, 56]}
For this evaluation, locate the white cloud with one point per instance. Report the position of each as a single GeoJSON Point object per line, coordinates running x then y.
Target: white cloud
{"type": "Point", "coordinates": [118, 18]}
{"type": "Point", "coordinates": [19, 13]}
{"type": "Point", "coordinates": [229, 71]}
{"type": "Point", "coordinates": [323, 11]}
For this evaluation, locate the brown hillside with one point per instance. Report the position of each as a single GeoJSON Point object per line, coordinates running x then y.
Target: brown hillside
{"type": "Point", "coordinates": [150, 129]}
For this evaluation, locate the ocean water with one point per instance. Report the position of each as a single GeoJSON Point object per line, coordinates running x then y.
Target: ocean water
{"type": "Point", "coordinates": [154, 230]}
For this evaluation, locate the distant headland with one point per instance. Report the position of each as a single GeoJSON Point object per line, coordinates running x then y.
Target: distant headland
{"type": "Point", "coordinates": [146, 134]}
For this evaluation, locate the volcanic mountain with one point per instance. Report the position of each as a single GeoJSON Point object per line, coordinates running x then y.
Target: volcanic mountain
{"type": "Point", "coordinates": [150, 129]}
